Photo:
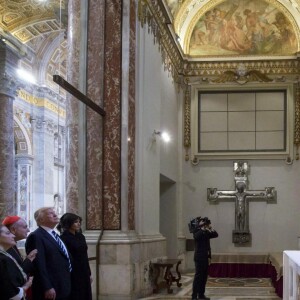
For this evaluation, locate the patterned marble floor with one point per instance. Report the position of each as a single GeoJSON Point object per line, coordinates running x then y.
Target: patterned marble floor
{"type": "Point", "coordinates": [223, 289]}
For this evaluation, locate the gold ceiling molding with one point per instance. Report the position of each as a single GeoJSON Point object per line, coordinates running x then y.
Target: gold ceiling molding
{"type": "Point", "coordinates": [182, 13]}
{"type": "Point", "coordinates": [152, 13]}
{"type": "Point", "coordinates": [185, 8]}
{"type": "Point", "coordinates": [195, 19]}
{"type": "Point", "coordinates": [287, 67]}
{"type": "Point", "coordinates": [13, 21]}
{"type": "Point", "coordinates": [33, 31]}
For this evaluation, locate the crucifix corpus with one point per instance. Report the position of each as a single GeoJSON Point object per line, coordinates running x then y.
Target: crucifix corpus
{"type": "Point", "coordinates": [241, 234]}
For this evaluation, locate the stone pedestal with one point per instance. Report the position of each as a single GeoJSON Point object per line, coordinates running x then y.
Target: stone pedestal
{"type": "Point", "coordinates": [241, 237]}
{"type": "Point", "coordinates": [124, 263]}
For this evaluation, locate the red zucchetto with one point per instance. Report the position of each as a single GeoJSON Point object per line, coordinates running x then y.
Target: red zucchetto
{"type": "Point", "coordinates": [9, 220]}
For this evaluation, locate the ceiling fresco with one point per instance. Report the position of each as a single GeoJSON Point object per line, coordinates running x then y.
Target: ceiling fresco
{"type": "Point", "coordinates": [218, 28]}
{"type": "Point", "coordinates": [246, 28]}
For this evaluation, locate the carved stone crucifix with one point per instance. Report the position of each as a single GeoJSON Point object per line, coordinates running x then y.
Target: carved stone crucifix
{"type": "Point", "coordinates": [241, 234]}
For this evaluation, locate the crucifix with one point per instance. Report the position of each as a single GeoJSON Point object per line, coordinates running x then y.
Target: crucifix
{"type": "Point", "coordinates": [241, 234]}
{"type": "Point", "coordinates": [76, 93]}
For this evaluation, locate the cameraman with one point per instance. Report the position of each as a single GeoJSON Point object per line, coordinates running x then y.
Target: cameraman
{"type": "Point", "coordinates": [202, 235]}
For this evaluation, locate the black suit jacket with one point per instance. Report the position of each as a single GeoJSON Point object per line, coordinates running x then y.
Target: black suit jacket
{"type": "Point", "coordinates": [202, 243]}
{"type": "Point", "coordinates": [11, 278]}
{"type": "Point", "coordinates": [26, 264]}
{"type": "Point", "coordinates": [51, 266]}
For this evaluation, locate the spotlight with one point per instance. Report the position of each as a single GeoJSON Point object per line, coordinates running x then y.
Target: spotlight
{"type": "Point", "coordinates": [163, 134]}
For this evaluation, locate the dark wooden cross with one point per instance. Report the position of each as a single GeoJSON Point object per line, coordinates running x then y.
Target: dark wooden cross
{"type": "Point", "coordinates": [77, 94]}
{"type": "Point", "coordinates": [241, 196]}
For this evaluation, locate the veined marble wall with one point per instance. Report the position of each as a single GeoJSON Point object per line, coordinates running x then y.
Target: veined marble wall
{"type": "Point", "coordinates": [94, 130]}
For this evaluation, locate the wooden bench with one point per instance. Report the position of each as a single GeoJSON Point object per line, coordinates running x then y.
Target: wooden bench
{"type": "Point", "coordinates": [169, 278]}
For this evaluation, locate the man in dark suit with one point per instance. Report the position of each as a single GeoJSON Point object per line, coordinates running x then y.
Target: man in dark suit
{"type": "Point", "coordinates": [202, 233]}
{"type": "Point", "coordinates": [52, 278]}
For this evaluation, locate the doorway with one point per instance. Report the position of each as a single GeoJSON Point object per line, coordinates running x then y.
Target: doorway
{"type": "Point", "coordinates": [168, 214]}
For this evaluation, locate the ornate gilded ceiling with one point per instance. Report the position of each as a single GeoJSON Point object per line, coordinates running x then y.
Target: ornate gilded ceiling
{"type": "Point", "coordinates": [28, 19]}
{"type": "Point", "coordinates": [198, 24]}
{"type": "Point", "coordinates": [191, 31]}
{"type": "Point", "coordinates": [40, 27]}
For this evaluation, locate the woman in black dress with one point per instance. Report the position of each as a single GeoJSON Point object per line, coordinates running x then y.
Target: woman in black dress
{"type": "Point", "coordinates": [70, 229]}
{"type": "Point", "coordinates": [13, 280]}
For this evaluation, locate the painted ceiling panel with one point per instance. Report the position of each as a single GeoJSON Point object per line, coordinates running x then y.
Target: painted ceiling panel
{"type": "Point", "coordinates": [219, 28]}
{"type": "Point", "coordinates": [246, 28]}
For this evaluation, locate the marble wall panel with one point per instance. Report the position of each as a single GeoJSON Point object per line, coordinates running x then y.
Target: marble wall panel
{"type": "Point", "coordinates": [95, 73]}
{"type": "Point", "coordinates": [112, 106]}
{"type": "Point", "coordinates": [121, 275]}
{"type": "Point", "coordinates": [131, 118]}
{"type": "Point", "coordinates": [72, 164]}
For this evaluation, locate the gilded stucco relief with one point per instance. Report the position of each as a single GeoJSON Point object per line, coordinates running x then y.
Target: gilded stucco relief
{"type": "Point", "coordinates": [28, 19]}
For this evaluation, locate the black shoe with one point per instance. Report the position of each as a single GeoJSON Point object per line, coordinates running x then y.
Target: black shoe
{"type": "Point", "coordinates": [203, 297]}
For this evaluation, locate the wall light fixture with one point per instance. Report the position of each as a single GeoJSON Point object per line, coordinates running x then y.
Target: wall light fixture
{"type": "Point", "coordinates": [163, 134]}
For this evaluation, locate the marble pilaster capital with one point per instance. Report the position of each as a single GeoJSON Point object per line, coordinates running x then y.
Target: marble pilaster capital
{"type": "Point", "coordinates": [47, 125]}
{"type": "Point", "coordinates": [45, 92]}
{"type": "Point", "coordinates": [8, 85]}
{"type": "Point", "coordinates": [24, 159]}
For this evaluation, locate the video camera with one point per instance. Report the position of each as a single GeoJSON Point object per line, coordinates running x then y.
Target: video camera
{"type": "Point", "coordinates": [197, 223]}
{"type": "Point", "coordinates": [206, 221]}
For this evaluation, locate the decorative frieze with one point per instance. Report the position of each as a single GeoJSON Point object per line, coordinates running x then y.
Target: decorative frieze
{"type": "Point", "coordinates": [187, 121]}
{"type": "Point", "coordinates": [152, 13]}
{"type": "Point", "coordinates": [274, 68]}
{"type": "Point", "coordinates": [297, 120]}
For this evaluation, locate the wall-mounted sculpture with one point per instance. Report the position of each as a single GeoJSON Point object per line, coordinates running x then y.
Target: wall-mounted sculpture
{"type": "Point", "coordinates": [241, 234]}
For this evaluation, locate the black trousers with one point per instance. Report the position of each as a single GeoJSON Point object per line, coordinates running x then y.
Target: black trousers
{"type": "Point", "coordinates": [200, 279]}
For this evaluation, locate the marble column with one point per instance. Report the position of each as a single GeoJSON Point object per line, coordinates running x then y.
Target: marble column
{"type": "Point", "coordinates": [7, 193]}
{"type": "Point", "coordinates": [8, 61]}
{"type": "Point", "coordinates": [112, 124]}
{"type": "Point", "coordinates": [72, 111]}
